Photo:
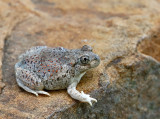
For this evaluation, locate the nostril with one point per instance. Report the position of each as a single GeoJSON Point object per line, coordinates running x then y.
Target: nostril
{"type": "Point", "coordinates": [97, 58]}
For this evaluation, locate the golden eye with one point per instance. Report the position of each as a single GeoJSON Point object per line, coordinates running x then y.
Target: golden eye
{"type": "Point", "coordinates": [84, 59]}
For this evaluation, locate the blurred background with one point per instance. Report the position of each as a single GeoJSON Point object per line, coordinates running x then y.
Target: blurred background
{"type": "Point", "coordinates": [124, 33]}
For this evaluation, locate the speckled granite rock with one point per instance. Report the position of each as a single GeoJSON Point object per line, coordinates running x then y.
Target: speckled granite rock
{"type": "Point", "coordinates": [126, 84]}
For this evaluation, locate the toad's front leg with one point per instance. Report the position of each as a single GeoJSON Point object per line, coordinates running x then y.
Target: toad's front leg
{"type": "Point", "coordinates": [79, 96]}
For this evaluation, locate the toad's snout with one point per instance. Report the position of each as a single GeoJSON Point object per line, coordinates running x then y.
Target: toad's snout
{"type": "Point", "coordinates": [95, 62]}
{"type": "Point", "coordinates": [97, 58]}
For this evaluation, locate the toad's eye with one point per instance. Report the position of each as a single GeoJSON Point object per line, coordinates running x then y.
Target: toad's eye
{"type": "Point", "coordinates": [84, 59]}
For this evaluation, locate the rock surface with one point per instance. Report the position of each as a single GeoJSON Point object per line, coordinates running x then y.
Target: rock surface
{"type": "Point", "coordinates": [126, 84]}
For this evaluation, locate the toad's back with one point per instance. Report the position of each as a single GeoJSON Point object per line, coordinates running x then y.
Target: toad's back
{"type": "Point", "coordinates": [50, 65]}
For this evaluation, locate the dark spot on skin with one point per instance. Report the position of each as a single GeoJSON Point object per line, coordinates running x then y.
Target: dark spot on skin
{"type": "Point", "coordinates": [46, 82]}
{"type": "Point", "coordinates": [27, 60]}
{"type": "Point", "coordinates": [58, 79]}
{"type": "Point", "coordinates": [67, 71]}
{"type": "Point", "coordinates": [64, 76]}
{"type": "Point", "coordinates": [36, 82]}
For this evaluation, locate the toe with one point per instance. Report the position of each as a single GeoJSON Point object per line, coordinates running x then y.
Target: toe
{"type": "Point", "coordinates": [90, 103]}
{"type": "Point", "coordinates": [43, 92]}
{"type": "Point", "coordinates": [93, 99]}
{"type": "Point", "coordinates": [36, 94]}
{"type": "Point", "coordinates": [47, 94]}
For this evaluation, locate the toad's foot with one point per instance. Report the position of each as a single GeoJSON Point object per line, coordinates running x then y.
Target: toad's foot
{"type": "Point", "coordinates": [87, 98]}
{"type": "Point", "coordinates": [43, 92]}
{"type": "Point", "coordinates": [79, 96]}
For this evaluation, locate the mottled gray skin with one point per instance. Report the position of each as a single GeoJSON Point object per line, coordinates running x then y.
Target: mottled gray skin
{"type": "Point", "coordinates": [55, 68]}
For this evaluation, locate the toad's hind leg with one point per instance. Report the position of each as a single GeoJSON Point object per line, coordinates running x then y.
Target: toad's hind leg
{"type": "Point", "coordinates": [26, 88]}
{"type": "Point", "coordinates": [29, 81]}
